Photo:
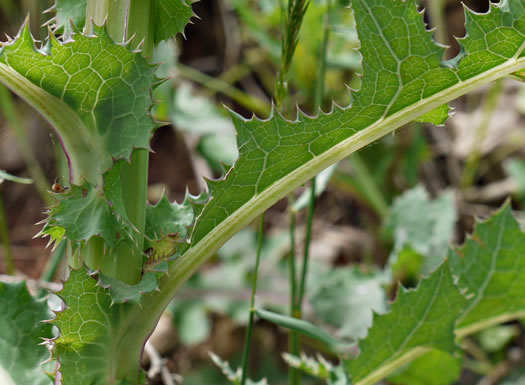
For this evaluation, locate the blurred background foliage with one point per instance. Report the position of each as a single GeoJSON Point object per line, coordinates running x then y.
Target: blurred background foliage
{"type": "Point", "coordinates": [385, 216]}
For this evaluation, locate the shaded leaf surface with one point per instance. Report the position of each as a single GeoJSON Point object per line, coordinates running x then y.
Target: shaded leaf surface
{"type": "Point", "coordinates": [21, 335]}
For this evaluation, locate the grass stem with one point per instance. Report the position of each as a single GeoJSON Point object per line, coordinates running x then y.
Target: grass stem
{"type": "Point", "coordinates": [248, 338]}
{"type": "Point", "coordinates": [294, 375]}
{"type": "Point", "coordinates": [319, 93]}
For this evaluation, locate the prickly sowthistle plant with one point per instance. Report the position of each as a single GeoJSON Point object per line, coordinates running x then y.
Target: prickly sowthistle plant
{"type": "Point", "coordinates": [95, 90]}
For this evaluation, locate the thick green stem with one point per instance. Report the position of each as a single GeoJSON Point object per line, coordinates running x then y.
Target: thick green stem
{"type": "Point", "coordinates": [248, 338]}
{"type": "Point", "coordinates": [124, 19]}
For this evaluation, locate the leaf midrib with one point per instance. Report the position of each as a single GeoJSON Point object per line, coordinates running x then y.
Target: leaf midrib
{"type": "Point", "coordinates": [187, 264]}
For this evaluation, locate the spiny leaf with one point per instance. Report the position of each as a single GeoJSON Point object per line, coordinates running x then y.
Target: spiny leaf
{"type": "Point", "coordinates": [171, 17]}
{"type": "Point", "coordinates": [167, 226]}
{"type": "Point", "coordinates": [86, 211]}
{"type": "Point", "coordinates": [490, 272]}
{"type": "Point", "coordinates": [491, 266]}
{"type": "Point", "coordinates": [21, 335]}
{"type": "Point", "coordinates": [95, 93]}
{"type": "Point", "coordinates": [437, 116]}
{"type": "Point", "coordinates": [121, 292]}
{"type": "Point", "coordinates": [67, 12]}
{"type": "Point", "coordinates": [404, 78]}
{"type": "Point", "coordinates": [420, 320]}
{"type": "Point", "coordinates": [165, 218]}
{"type": "Point", "coordinates": [95, 346]}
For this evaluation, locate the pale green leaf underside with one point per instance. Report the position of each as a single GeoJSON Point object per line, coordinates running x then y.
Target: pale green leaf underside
{"type": "Point", "coordinates": [95, 93]}
{"type": "Point", "coordinates": [21, 334]}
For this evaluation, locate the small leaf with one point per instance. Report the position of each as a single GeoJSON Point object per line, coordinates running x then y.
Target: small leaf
{"type": "Point", "coordinates": [67, 12]}
{"type": "Point", "coordinates": [86, 211]}
{"type": "Point", "coordinates": [429, 234]}
{"type": "Point", "coordinates": [171, 17]}
{"type": "Point", "coordinates": [21, 335]}
{"type": "Point", "coordinates": [346, 298]}
{"type": "Point", "coordinates": [437, 116]}
{"type": "Point", "coordinates": [165, 218]}
{"type": "Point", "coordinates": [121, 292]}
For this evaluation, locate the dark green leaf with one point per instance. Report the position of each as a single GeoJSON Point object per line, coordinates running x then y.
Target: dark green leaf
{"type": "Point", "coordinates": [491, 266]}
{"type": "Point", "coordinates": [420, 320]}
